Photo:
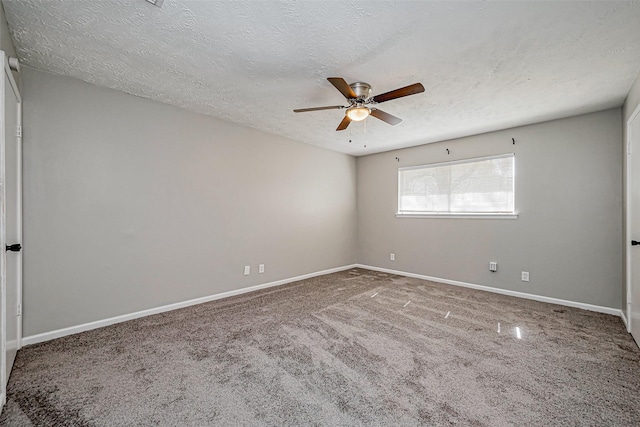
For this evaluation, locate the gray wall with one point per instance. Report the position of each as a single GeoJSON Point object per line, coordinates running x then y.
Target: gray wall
{"type": "Point", "coordinates": [569, 200]}
{"type": "Point", "coordinates": [131, 204]}
{"type": "Point", "coordinates": [630, 105]}
{"type": "Point", "coordinates": [6, 44]}
{"type": "Point", "coordinates": [632, 101]}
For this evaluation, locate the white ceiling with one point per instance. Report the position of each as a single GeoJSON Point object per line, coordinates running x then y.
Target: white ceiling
{"type": "Point", "coordinates": [485, 65]}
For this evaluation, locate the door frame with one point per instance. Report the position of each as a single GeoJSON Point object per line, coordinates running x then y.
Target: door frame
{"type": "Point", "coordinates": [627, 220]}
{"type": "Point", "coordinates": [3, 236]}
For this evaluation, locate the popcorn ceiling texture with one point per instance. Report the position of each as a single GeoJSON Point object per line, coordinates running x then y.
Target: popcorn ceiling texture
{"type": "Point", "coordinates": [485, 66]}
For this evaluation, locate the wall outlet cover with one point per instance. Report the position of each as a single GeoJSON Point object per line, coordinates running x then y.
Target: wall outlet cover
{"type": "Point", "coordinates": [247, 270]}
{"type": "Point", "coordinates": [392, 257]}
{"type": "Point", "coordinates": [525, 276]}
{"type": "Point", "coordinates": [261, 268]}
{"type": "Point", "coordinates": [493, 266]}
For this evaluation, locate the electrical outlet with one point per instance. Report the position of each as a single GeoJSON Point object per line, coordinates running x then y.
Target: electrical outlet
{"type": "Point", "coordinates": [247, 270]}
{"type": "Point", "coordinates": [392, 257]}
{"type": "Point", "coordinates": [493, 266]}
{"type": "Point", "coordinates": [261, 268]}
{"type": "Point", "coordinates": [525, 276]}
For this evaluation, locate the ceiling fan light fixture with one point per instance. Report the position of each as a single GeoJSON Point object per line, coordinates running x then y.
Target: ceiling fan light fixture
{"type": "Point", "coordinates": [357, 114]}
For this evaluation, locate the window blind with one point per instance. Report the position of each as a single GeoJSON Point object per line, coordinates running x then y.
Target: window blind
{"type": "Point", "coordinates": [480, 186]}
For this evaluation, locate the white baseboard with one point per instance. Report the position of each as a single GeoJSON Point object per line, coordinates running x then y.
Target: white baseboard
{"type": "Point", "coordinates": [47, 336]}
{"type": "Point", "coordinates": [624, 320]}
{"type": "Point", "coordinates": [584, 306]}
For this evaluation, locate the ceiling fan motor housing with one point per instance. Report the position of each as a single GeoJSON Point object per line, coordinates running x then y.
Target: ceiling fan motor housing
{"type": "Point", "coordinates": [362, 90]}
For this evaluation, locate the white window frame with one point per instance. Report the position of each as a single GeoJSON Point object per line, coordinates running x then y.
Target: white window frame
{"type": "Point", "coordinates": [471, 215]}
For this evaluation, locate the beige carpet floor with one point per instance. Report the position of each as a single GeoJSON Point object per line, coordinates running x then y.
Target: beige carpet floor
{"type": "Point", "coordinates": [355, 348]}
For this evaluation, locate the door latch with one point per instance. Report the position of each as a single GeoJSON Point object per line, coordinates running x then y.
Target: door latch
{"type": "Point", "coordinates": [15, 247]}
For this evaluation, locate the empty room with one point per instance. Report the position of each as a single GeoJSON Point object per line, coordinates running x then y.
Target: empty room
{"type": "Point", "coordinates": [319, 213]}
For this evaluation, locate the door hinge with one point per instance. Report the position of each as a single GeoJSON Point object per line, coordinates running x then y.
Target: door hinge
{"type": "Point", "coordinates": [19, 310]}
{"type": "Point", "coordinates": [19, 131]}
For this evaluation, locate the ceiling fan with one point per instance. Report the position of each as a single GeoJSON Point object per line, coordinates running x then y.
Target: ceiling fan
{"type": "Point", "coordinates": [358, 97]}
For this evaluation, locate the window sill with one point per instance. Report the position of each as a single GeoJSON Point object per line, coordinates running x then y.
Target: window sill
{"type": "Point", "coordinates": [459, 216]}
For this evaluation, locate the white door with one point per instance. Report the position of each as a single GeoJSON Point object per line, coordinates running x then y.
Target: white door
{"type": "Point", "coordinates": [633, 224]}
{"type": "Point", "coordinates": [10, 221]}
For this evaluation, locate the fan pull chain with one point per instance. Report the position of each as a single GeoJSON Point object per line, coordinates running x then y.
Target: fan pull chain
{"type": "Point", "coordinates": [365, 133]}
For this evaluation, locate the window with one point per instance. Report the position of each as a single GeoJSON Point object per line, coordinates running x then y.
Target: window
{"type": "Point", "coordinates": [482, 187]}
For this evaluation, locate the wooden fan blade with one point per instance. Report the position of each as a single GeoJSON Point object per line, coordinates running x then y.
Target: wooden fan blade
{"type": "Point", "coordinates": [399, 93]}
{"type": "Point", "coordinates": [342, 86]}
{"type": "Point", "coordinates": [344, 123]}
{"type": "Point", "coordinates": [385, 117]}
{"type": "Point", "coordinates": [333, 107]}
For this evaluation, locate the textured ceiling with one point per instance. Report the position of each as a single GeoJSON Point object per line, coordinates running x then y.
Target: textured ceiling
{"type": "Point", "coordinates": [485, 65]}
